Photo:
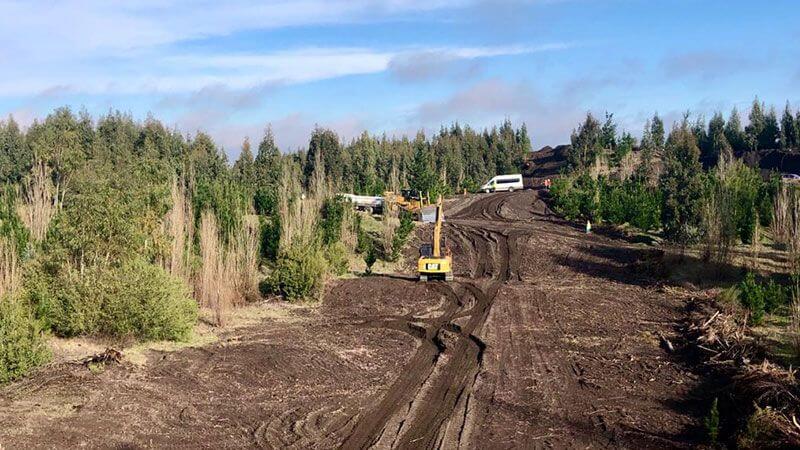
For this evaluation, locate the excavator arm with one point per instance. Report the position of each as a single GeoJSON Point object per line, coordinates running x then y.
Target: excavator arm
{"type": "Point", "coordinates": [437, 265]}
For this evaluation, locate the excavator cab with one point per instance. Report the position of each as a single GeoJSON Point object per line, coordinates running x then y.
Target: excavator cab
{"type": "Point", "coordinates": [433, 262]}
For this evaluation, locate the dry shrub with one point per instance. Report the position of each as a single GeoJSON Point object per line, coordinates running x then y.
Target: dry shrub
{"type": "Point", "coordinates": [244, 255]}
{"type": "Point", "coordinates": [300, 211]}
{"type": "Point", "coordinates": [389, 228]}
{"type": "Point", "coordinates": [215, 285]}
{"type": "Point", "coordinates": [781, 214]}
{"type": "Point", "coordinates": [599, 167]}
{"type": "Point", "coordinates": [786, 222]}
{"type": "Point", "coordinates": [627, 166]}
{"type": "Point", "coordinates": [350, 226]}
{"type": "Point", "coordinates": [794, 317]}
{"type": "Point", "coordinates": [10, 280]}
{"type": "Point", "coordinates": [179, 226]}
{"type": "Point", "coordinates": [38, 206]}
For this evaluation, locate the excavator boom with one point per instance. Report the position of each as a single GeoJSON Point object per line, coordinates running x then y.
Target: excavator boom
{"type": "Point", "coordinates": [435, 264]}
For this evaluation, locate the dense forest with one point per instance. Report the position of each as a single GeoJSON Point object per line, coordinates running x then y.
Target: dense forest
{"type": "Point", "coordinates": [131, 230]}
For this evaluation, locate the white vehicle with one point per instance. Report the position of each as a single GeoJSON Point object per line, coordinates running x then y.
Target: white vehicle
{"type": "Point", "coordinates": [501, 183]}
{"type": "Point", "coordinates": [368, 203]}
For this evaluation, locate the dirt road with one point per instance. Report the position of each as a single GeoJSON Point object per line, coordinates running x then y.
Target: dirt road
{"type": "Point", "coordinates": [547, 338]}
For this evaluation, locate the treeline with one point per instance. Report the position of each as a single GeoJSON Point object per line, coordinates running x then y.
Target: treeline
{"type": "Point", "coordinates": [683, 182]}
{"type": "Point", "coordinates": [455, 158]}
{"type": "Point", "coordinates": [716, 139]}
{"type": "Point", "coordinates": [131, 229]}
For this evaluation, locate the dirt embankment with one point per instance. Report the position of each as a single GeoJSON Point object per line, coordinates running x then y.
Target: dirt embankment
{"type": "Point", "coordinates": [547, 338]}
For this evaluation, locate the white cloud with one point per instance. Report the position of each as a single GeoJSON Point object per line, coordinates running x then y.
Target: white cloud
{"type": "Point", "coordinates": [184, 73]}
{"type": "Point", "coordinates": [76, 28]}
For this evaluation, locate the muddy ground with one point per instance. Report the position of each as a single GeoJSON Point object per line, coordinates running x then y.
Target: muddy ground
{"type": "Point", "coordinates": [548, 337]}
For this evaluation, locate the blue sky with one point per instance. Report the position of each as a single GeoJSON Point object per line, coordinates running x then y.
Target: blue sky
{"type": "Point", "coordinates": [232, 68]}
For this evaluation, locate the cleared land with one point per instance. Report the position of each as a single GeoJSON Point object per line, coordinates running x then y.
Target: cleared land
{"type": "Point", "coordinates": [548, 338]}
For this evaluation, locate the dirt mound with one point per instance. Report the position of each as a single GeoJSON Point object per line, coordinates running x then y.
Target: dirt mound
{"type": "Point", "coordinates": [547, 162]}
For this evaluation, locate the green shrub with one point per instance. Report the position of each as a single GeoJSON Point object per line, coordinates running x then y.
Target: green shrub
{"type": "Point", "coordinates": [631, 201]}
{"type": "Point", "coordinates": [270, 237]}
{"type": "Point", "coordinates": [66, 301]}
{"type": "Point", "coordinates": [576, 197]}
{"type": "Point", "coordinates": [643, 205]}
{"type": "Point", "coordinates": [761, 430]}
{"type": "Point", "coordinates": [775, 296]}
{"type": "Point", "coordinates": [751, 296]}
{"type": "Point", "coordinates": [371, 256]}
{"type": "Point", "coordinates": [142, 300]}
{"type": "Point", "coordinates": [332, 216]}
{"type": "Point", "coordinates": [137, 299]}
{"type": "Point", "coordinates": [299, 273]}
{"type": "Point", "coordinates": [337, 258]}
{"type": "Point", "coordinates": [711, 422]}
{"type": "Point", "coordinates": [401, 234]}
{"type": "Point", "coordinates": [21, 345]}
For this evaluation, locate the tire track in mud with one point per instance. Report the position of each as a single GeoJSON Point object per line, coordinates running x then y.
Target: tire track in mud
{"type": "Point", "coordinates": [428, 405]}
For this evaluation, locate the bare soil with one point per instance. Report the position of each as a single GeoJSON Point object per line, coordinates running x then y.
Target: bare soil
{"type": "Point", "coordinates": [548, 337]}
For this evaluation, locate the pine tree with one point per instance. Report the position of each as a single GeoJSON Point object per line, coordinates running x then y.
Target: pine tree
{"type": "Point", "coordinates": [624, 147]}
{"type": "Point", "coordinates": [423, 172]}
{"type": "Point", "coordinates": [645, 170]}
{"type": "Point", "coordinates": [682, 186]}
{"type": "Point", "coordinates": [608, 133]}
{"type": "Point", "coordinates": [267, 170]}
{"type": "Point", "coordinates": [586, 142]}
{"type": "Point", "coordinates": [789, 130]}
{"type": "Point", "coordinates": [755, 130]}
{"type": "Point", "coordinates": [719, 147]}
{"type": "Point", "coordinates": [658, 134]}
{"type": "Point", "coordinates": [244, 167]}
{"type": "Point", "coordinates": [700, 135]}
{"type": "Point", "coordinates": [771, 134]}
{"type": "Point", "coordinates": [735, 134]}
{"type": "Point", "coordinates": [326, 143]}
{"type": "Point", "coordinates": [15, 157]}
{"type": "Point", "coordinates": [797, 130]}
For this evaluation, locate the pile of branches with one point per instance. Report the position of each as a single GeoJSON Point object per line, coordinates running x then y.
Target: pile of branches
{"type": "Point", "coordinates": [107, 356]}
{"type": "Point", "coordinates": [776, 394]}
{"type": "Point", "coordinates": [724, 338]}
{"type": "Point", "coordinates": [768, 392]}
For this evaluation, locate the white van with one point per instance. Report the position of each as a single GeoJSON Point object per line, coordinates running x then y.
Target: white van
{"type": "Point", "coordinates": [501, 183]}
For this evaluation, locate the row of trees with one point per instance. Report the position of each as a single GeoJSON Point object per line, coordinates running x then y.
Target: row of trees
{"type": "Point", "coordinates": [716, 139]}
{"type": "Point", "coordinates": [687, 183]}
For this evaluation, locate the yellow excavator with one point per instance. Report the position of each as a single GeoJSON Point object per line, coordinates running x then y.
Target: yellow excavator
{"type": "Point", "coordinates": [433, 263]}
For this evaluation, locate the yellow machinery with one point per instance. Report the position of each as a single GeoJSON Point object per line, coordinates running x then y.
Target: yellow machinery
{"type": "Point", "coordinates": [408, 199]}
{"type": "Point", "coordinates": [433, 263]}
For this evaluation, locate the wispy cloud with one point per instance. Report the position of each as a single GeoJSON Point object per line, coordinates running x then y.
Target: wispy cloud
{"type": "Point", "coordinates": [184, 73]}
{"type": "Point", "coordinates": [706, 64]}
{"type": "Point", "coordinates": [459, 64]}
{"type": "Point", "coordinates": [492, 100]}
{"type": "Point", "coordinates": [217, 95]}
